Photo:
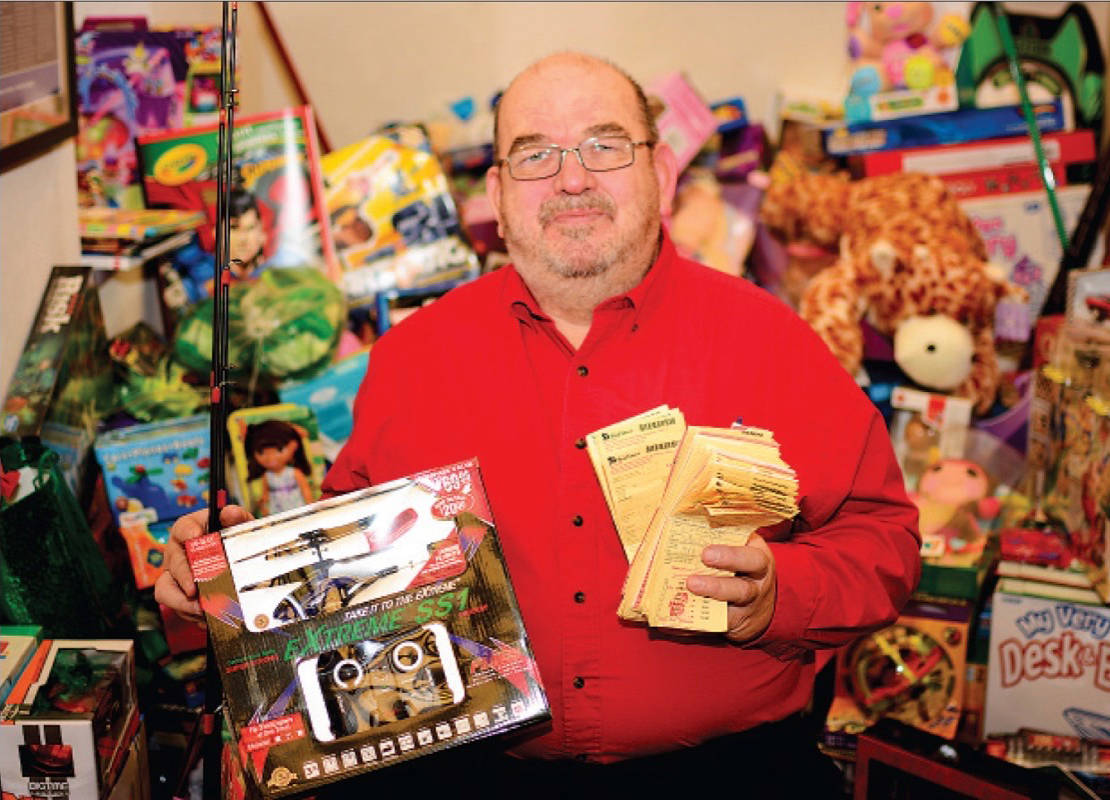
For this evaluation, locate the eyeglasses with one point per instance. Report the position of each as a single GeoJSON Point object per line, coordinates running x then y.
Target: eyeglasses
{"type": "Point", "coordinates": [597, 154]}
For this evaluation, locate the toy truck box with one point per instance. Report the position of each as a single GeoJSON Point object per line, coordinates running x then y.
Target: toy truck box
{"type": "Point", "coordinates": [1049, 667]}
{"type": "Point", "coordinates": [67, 725]}
{"type": "Point", "coordinates": [366, 630]}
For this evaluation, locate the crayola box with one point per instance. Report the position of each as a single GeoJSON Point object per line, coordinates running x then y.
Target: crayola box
{"type": "Point", "coordinates": [366, 630]}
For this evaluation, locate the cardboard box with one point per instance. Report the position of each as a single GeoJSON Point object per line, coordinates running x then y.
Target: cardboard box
{"type": "Point", "coordinates": [159, 470]}
{"type": "Point", "coordinates": [1063, 147]}
{"type": "Point", "coordinates": [685, 122]}
{"type": "Point", "coordinates": [67, 725]}
{"type": "Point", "coordinates": [1049, 667]}
{"type": "Point", "coordinates": [962, 125]}
{"type": "Point", "coordinates": [366, 630]}
{"type": "Point", "coordinates": [1020, 235]}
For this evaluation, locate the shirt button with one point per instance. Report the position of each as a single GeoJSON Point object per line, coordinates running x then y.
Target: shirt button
{"type": "Point", "coordinates": [635, 326]}
{"type": "Point", "coordinates": [580, 443]}
{"type": "Point", "coordinates": [577, 521]}
{"type": "Point", "coordinates": [579, 682]}
{"type": "Point", "coordinates": [583, 371]}
{"type": "Point", "coordinates": [580, 597]}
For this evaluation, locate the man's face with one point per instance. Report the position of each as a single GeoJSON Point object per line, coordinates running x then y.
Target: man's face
{"type": "Point", "coordinates": [577, 224]}
{"type": "Point", "coordinates": [247, 240]}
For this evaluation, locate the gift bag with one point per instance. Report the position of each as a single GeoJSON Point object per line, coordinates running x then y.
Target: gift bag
{"type": "Point", "coordinates": [51, 572]}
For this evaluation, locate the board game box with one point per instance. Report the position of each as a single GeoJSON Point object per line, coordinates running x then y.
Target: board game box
{"type": "Point", "coordinates": [366, 630]}
{"type": "Point", "coordinates": [67, 342]}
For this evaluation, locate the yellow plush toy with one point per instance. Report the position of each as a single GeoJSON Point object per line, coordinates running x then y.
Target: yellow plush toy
{"type": "Point", "coordinates": [911, 263]}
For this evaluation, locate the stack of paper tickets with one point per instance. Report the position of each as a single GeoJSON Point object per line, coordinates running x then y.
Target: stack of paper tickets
{"type": "Point", "coordinates": [721, 485]}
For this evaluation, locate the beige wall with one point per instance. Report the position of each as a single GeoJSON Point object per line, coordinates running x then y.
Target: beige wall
{"type": "Point", "coordinates": [366, 63]}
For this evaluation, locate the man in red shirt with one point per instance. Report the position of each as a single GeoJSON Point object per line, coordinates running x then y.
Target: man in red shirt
{"type": "Point", "coordinates": [598, 319]}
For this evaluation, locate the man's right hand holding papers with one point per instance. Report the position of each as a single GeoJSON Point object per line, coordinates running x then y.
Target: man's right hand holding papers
{"type": "Point", "coordinates": [699, 566]}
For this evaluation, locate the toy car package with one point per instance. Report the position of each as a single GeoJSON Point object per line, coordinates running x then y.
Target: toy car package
{"type": "Point", "coordinates": [366, 629]}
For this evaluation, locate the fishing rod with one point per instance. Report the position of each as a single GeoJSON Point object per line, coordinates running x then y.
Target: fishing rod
{"type": "Point", "coordinates": [209, 724]}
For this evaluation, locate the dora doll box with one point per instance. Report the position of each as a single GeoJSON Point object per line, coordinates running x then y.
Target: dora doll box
{"type": "Point", "coordinates": [279, 461]}
{"type": "Point", "coordinates": [366, 630]}
{"type": "Point", "coordinates": [67, 725]}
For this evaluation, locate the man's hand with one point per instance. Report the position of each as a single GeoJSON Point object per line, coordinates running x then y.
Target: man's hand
{"type": "Point", "coordinates": [175, 587]}
{"type": "Point", "coordinates": [750, 594]}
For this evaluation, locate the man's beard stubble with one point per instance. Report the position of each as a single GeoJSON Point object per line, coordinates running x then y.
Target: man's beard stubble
{"type": "Point", "coordinates": [588, 261]}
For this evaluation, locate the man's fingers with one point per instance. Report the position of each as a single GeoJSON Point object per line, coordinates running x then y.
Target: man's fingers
{"type": "Point", "coordinates": [233, 515]}
{"type": "Point", "coordinates": [735, 591]}
{"type": "Point", "coordinates": [751, 561]}
{"type": "Point", "coordinates": [169, 593]}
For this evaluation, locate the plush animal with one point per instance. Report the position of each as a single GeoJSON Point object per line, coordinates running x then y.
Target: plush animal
{"type": "Point", "coordinates": [912, 263]}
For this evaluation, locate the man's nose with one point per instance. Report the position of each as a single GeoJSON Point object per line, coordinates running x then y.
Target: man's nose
{"type": "Point", "coordinates": [573, 178]}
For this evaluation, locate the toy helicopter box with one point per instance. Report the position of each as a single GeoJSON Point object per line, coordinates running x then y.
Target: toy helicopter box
{"type": "Point", "coordinates": [1049, 667]}
{"type": "Point", "coordinates": [366, 630]}
{"type": "Point", "coordinates": [69, 721]}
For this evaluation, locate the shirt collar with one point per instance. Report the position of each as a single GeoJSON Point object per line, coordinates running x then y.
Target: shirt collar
{"type": "Point", "coordinates": [643, 296]}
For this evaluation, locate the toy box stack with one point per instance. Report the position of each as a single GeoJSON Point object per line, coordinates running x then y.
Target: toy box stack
{"type": "Point", "coordinates": [17, 644]}
{"type": "Point", "coordinates": [154, 473]}
{"type": "Point", "coordinates": [132, 81]}
{"type": "Point", "coordinates": [365, 630]}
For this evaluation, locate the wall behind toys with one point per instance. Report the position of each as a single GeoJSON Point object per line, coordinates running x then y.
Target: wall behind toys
{"type": "Point", "coordinates": [363, 64]}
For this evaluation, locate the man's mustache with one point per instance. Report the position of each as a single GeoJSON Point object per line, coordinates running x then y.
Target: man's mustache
{"type": "Point", "coordinates": [579, 202]}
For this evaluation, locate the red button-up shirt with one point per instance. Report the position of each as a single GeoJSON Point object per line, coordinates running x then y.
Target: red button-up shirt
{"type": "Point", "coordinates": [483, 372]}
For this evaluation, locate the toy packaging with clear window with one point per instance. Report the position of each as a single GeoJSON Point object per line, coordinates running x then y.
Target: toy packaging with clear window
{"type": "Point", "coordinates": [365, 630]}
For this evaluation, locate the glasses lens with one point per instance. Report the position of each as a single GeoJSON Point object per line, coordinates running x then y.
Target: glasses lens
{"type": "Point", "coordinates": [534, 162]}
{"type": "Point", "coordinates": [606, 152]}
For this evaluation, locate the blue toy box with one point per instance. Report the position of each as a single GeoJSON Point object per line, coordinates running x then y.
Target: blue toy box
{"type": "Point", "coordinates": [963, 125]}
{"type": "Point", "coordinates": [160, 469]}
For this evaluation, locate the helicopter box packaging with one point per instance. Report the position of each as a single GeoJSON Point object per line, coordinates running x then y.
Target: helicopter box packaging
{"type": "Point", "coordinates": [366, 630]}
{"type": "Point", "coordinates": [1049, 667]}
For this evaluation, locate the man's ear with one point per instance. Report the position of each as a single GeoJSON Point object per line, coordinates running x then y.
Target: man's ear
{"type": "Point", "coordinates": [493, 192]}
{"type": "Point", "coordinates": [666, 173]}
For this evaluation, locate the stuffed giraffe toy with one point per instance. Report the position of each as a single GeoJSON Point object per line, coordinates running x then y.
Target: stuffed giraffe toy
{"type": "Point", "coordinates": [911, 263]}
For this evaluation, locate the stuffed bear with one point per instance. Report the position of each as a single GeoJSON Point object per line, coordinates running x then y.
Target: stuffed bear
{"type": "Point", "coordinates": [911, 262]}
